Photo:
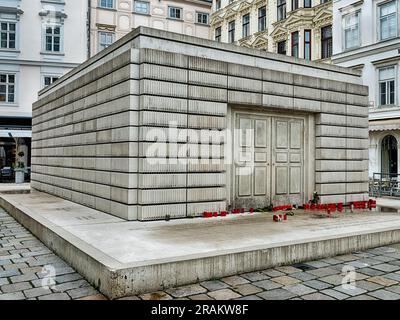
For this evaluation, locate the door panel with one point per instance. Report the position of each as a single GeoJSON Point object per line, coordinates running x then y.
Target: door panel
{"type": "Point", "coordinates": [287, 159]}
{"type": "Point", "coordinates": [252, 158]}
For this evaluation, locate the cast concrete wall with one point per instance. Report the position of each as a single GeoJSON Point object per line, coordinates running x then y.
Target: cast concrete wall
{"type": "Point", "coordinates": [94, 130]}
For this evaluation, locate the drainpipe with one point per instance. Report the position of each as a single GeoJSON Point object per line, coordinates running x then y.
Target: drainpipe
{"type": "Point", "coordinates": [89, 14]}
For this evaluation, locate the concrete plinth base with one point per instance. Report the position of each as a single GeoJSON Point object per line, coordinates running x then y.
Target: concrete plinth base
{"type": "Point", "coordinates": [125, 258]}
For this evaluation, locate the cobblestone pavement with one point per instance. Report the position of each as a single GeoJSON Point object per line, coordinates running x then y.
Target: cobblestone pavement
{"type": "Point", "coordinates": [22, 258]}
{"type": "Point", "coordinates": [376, 272]}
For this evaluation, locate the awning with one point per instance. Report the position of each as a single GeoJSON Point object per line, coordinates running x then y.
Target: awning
{"type": "Point", "coordinates": [15, 134]}
{"type": "Point", "coordinates": [384, 125]}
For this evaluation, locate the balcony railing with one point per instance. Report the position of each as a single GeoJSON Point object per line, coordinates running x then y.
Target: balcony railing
{"type": "Point", "coordinates": [384, 184]}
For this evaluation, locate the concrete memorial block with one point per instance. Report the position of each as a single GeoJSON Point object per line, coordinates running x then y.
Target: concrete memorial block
{"type": "Point", "coordinates": [161, 125]}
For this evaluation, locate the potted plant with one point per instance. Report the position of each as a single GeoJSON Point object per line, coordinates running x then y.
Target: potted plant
{"type": "Point", "coordinates": [19, 169]}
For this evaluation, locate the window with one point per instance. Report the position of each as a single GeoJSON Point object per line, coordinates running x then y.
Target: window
{"type": "Point", "coordinates": [7, 87]}
{"type": "Point", "coordinates": [105, 40]}
{"type": "Point", "coordinates": [53, 39]}
{"type": "Point", "coordinates": [246, 25]}
{"type": "Point", "coordinates": [307, 3]}
{"type": "Point", "coordinates": [262, 18]}
{"type": "Point", "coordinates": [387, 86]}
{"type": "Point", "coordinates": [218, 34]}
{"type": "Point", "coordinates": [175, 13]}
{"type": "Point", "coordinates": [142, 7]}
{"type": "Point", "coordinates": [351, 30]}
{"type": "Point", "coordinates": [217, 4]}
{"type": "Point", "coordinates": [8, 35]}
{"type": "Point", "coordinates": [107, 4]}
{"type": "Point", "coordinates": [48, 80]}
{"type": "Point", "coordinates": [295, 44]}
{"type": "Point", "coordinates": [295, 4]}
{"type": "Point", "coordinates": [231, 31]}
{"type": "Point", "coordinates": [326, 42]}
{"type": "Point", "coordinates": [281, 9]}
{"type": "Point", "coordinates": [307, 44]}
{"type": "Point", "coordinates": [282, 47]}
{"type": "Point", "coordinates": [202, 17]}
{"type": "Point", "coordinates": [387, 20]}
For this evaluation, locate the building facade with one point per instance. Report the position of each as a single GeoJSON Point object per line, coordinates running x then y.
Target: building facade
{"type": "Point", "coordinates": [367, 38]}
{"type": "Point", "coordinates": [40, 40]}
{"type": "Point", "coordinates": [299, 28]}
{"type": "Point", "coordinates": [112, 19]}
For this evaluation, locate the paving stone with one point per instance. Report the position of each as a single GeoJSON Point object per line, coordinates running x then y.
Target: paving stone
{"type": "Point", "coordinates": [8, 288]}
{"type": "Point", "coordinates": [9, 273]}
{"type": "Point", "coordinates": [24, 277]}
{"type": "Point", "coordinates": [382, 281]}
{"type": "Point", "coordinates": [384, 258]}
{"type": "Point", "coordinates": [331, 261]}
{"type": "Point", "coordinates": [200, 297]}
{"type": "Point", "coordinates": [4, 281]}
{"type": "Point", "coordinates": [235, 280]}
{"type": "Point", "coordinates": [276, 294]}
{"type": "Point", "coordinates": [335, 294]}
{"type": "Point", "coordinates": [362, 297]}
{"type": "Point", "coordinates": [55, 296]}
{"type": "Point", "coordinates": [285, 280]}
{"type": "Point", "coordinates": [70, 285]}
{"type": "Point", "coordinates": [267, 284]}
{"type": "Point", "coordinates": [323, 272]}
{"type": "Point", "coordinates": [249, 298]}
{"type": "Point", "coordinates": [247, 289]}
{"type": "Point", "coordinates": [15, 266]}
{"type": "Point", "coordinates": [370, 272]}
{"type": "Point", "coordinates": [317, 296]}
{"type": "Point", "coordinates": [68, 277]}
{"type": "Point", "coordinates": [4, 262]}
{"type": "Point", "coordinates": [384, 295]}
{"type": "Point", "coordinates": [159, 295]}
{"type": "Point", "coordinates": [185, 291]}
{"type": "Point", "coordinates": [31, 270]}
{"type": "Point", "coordinates": [214, 285]}
{"type": "Point", "coordinates": [36, 292]}
{"type": "Point", "coordinates": [395, 262]}
{"type": "Point", "coordinates": [255, 276]}
{"type": "Point", "coordinates": [386, 267]}
{"type": "Point", "coordinates": [367, 285]}
{"type": "Point", "coordinates": [395, 289]}
{"type": "Point", "coordinates": [224, 294]}
{"type": "Point", "coordinates": [351, 291]}
{"type": "Point", "coordinates": [316, 284]}
{"type": "Point", "coordinates": [392, 276]}
{"type": "Point", "coordinates": [273, 273]}
{"type": "Point", "coordinates": [317, 264]}
{"type": "Point", "coordinates": [335, 279]}
{"type": "Point", "coordinates": [81, 292]}
{"type": "Point", "coordinates": [347, 257]}
{"type": "Point", "coordinates": [370, 261]}
{"type": "Point", "coordinates": [12, 296]}
{"type": "Point", "coordinates": [10, 257]}
{"type": "Point", "coordinates": [303, 276]}
{"type": "Point", "coordinates": [364, 254]}
{"type": "Point", "coordinates": [299, 289]}
{"type": "Point", "coordinates": [360, 276]}
{"type": "Point", "coordinates": [357, 264]}
{"type": "Point", "coordinates": [98, 296]}
{"type": "Point", "coordinates": [288, 269]}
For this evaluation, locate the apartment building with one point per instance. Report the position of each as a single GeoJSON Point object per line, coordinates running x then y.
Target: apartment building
{"type": "Point", "coordinates": [299, 28]}
{"type": "Point", "coordinates": [367, 38]}
{"type": "Point", "coordinates": [40, 40]}
{"type": "Point", "coordinates": [110, 20]}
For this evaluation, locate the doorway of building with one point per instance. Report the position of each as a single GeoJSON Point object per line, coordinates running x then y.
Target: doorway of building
{"type": "Point", "coordinates": [389, 155]}
{"type": "Point", "coordinates": [268, 160]}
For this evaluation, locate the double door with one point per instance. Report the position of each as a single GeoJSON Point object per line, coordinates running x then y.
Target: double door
{"type": "Point", "coordinates": [268, 160]}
